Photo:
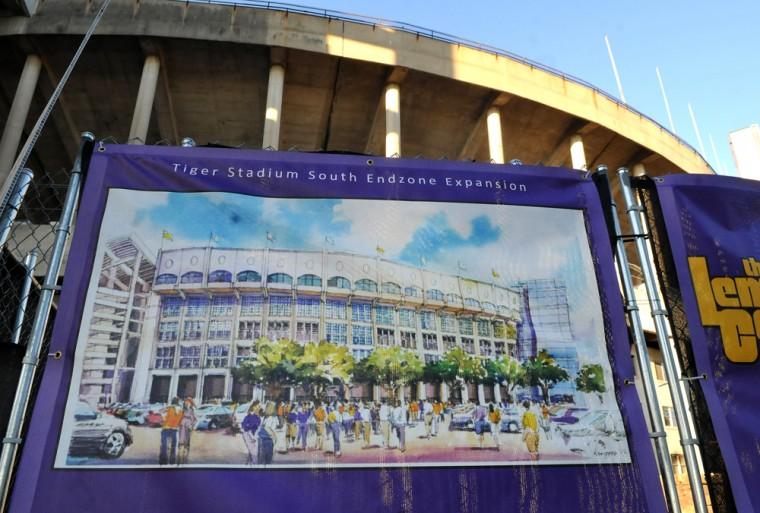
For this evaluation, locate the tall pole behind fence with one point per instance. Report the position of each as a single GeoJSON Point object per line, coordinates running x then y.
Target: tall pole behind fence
{"type": "Point", "coordinates": [12, 438]}
{"type": "Point", "coordinates": [660, 317]}
{"type": "Point", "coordinates": [658, 434]}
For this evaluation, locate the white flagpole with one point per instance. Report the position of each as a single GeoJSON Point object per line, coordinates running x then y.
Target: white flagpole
{"type": "Point", "coordinates": [614, 69]}
{"type": "Point", "coordinates": [715, 154]}
{"type": "Point", "coordinates": [696, 130]}
{"type": "Point", "coordinates": [665, 99]}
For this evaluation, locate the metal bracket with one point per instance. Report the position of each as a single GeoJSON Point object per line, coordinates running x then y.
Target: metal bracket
{"type": "Point", "coordinates": [689, 441]}
{"type": "Point", "coordinates": [29, 361]}
{"type": "Point", "coordinates": [658, 434]}
{"type": "Point", "coordinates": [12, 440]}
{"type": "Point", "coordinates": [693, 378]}
{"type": "Point", "coordinates": [632, 237]}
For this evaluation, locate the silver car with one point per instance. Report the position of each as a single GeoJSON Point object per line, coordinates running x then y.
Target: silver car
{"type": "Point", "coordinates": [98, 434]}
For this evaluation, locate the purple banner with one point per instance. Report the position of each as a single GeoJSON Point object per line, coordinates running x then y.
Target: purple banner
{"type": "Point", "coordinates": [286, 331]}
{"type": "Point", "coordinates": [713, 224]}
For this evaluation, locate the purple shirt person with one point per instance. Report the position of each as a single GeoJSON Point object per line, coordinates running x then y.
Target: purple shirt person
{"type": "Point", "coordinates": [302, 419]}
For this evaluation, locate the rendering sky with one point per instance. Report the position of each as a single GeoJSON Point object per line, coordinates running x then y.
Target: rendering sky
{"type": "Point", "coordinates": [707, 51]}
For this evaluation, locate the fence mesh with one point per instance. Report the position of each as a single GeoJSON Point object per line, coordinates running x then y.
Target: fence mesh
{"type": "Point", "coordinates": [718, 484]}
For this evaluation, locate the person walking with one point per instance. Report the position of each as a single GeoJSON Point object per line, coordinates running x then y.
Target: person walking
{"type": "Point", "coordinates": [357, 421]}
{"type": "Point", "coordinates": [427, 415]}
{"type": "Point", "coordinates": [365, 414]}
{"type": "Point", "coordinates": [437, 416]}
{"type": "Point", "coordinates": [494, 420]}
{"type": "Point", "coordinates": [250, 426]}
{"type": "Point", "coordinates": [302, 419]}
{"type": "Point", "coordinates": [545, 421]}
{"type": "Point", "coordinates": [479, 422]}
{"type": "Point", "coordinates": [385, 424]}
{"type": "Point", "coordinates": [530, 430]}
{"type": "Point", "coordinates": [399, 424]}
{"type": "Point", "coordinates": [267, 434]}
{"type": "Point", "coordinates": [172, 419]}
{"type": "Point", "coordinates": [186, 426]}
{"type": "Point", "coordinates": [291, 428]}
{"type": "Point", "coordinates": [319, 416]}
{"type": "Point", "coordinates": [333, 425]}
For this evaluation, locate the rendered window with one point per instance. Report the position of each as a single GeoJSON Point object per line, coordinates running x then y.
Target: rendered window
{"type": "Point", "coordinates": [220, 330]}
{"type": "Point", "coordinates": [453, 298]}
{"type": "Point", "coordinates": [278, 330]}
{"type": "Point", "coordinates": [361, 312]}
{"type": "Point", "coordinates": [427, 320]}
{"type": "Point", "coordinates": [336, 333]}
{"type": "Point", "coordinates": [164, 358]}
{"type": "Point", "coordinates": [280, 278]}
{"type": "Point", "coordinates": [221, 306]}
{"type": "Point", "coordinates": [279, 306]}
{"type": "Point", "coordinates": [171, 306]}
{"type": "Point", "coordinates": [485, 348]}
{"type": "Point", "coordinates": [243, 354]}
{"type": "Point", "coordinates": [384, 315]}
{"type": "Point", "coordinates": [310, 280]}
{"type": "Point", "coordinates": [335, 309]}
{"type": "Point", "coordinates": [248, 276]}
{"type": "Point", "coordinates": [166, 279]}
{"type": "Point", "coordinates": [366, 285]}
{"type": "Point", "coordinates": [360, 354]}
{"type": "Point", "coordinates": [448, 323]}
{"type": "Point", "coordinates": [307, 332]}
{"type": "Point", "coordinates": [449, 342]}
{"type": "Point", "coordinates": [465, 326]}
{"type": "Point", "coordinates": [189, 357]}
{"type": "Point", "coordinates": [385, 337]}
{"type": "Point", "coordinates": [435, 295]}
{"type": "Point", "coordinates": [249, 330]}
{"type": "Point", "coordinates": [407, 318]}
{"type": "Point", "coordinates": [192, 277]}
{"type": "Point", "coordinates": [484, 328]}
{"type": "Point", "coordinates": [430, 341]}
{"type": "Point", "coordinates": [339, 282]}
{"type": "Point", "coordinates": [391, 288]}
{"type": "Point", "coordinates": [217, 356]}
{"type": "Point", "coordinates": [168, 331]}
{"type": "Point", "coordinates": [474, 303]}
{"type": "Point", "coordinates": [197, 306]}
{"type": "Point", "coordinates": [499, 349]}
{"type": "Point", "coordinates": [432, 358]}
{"type": "Point", "coordinates": [307, 307]}
{"type": "Point", "coordinates": [220, 276]}
{"type": "Point", "coordinates": [468, 345]}
{"type": "Point", "coordinates": [251, 305]}
{"type": "Point", "coordinates": [412, 292]}
{"type": "Point", "coordinates": [408, 339]}
{"type": "Point", "coordinates": [361, 335]}
{"type": "Point", "coordinates": [193, 330]}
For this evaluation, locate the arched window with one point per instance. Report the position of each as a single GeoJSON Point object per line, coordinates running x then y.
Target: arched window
{"type": "Point", "coordinates": [489, 306]}
{"type": "Point", "coordinates": [339, 282]}
{"type": "Point", "coordinates": [248, 276]}
{"type": "Point", "coordinates": [412, 292]}
{"type": "Point", "coordinates": [453, 298]}
{"type": "Point", "coordinates": [280, 278]}
{"type": "Point", "coordinates": [220, 276]}
{"type": "Point", "coordinates": [468, 301]}
{"type": "Point", "coordinates": [192, 277]}
{"type": "Point", "coordinates": [366, 285]}
{"type": "Point", "coordinates": [435, 295]}
{"type": "Point", "coordinates": [391, 288]}
{"type": "Point", "coordinates": [166, 279]}
{"type": "Point", "coordinates": [310, 280]}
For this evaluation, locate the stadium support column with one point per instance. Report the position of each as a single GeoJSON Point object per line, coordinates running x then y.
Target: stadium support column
{"type": "Point", "coordinates": [273, 114]}
{"type": "Point", "coordinates": [496, 393]}
{"type": "Point", "coordinates": [577, 154]}
{"type": "Point", "coordinates": [19, 111]}
{"type": "Point", "coordinates": [638, 170]}
{"type": "Point", "coordinates": [495, 144]}
{"type": "Point", "coordinates": [138, 131]}
{"type": "Point", "coordinates": [481, 394]}
{"type": "Point", "coordinates": [392, 120]}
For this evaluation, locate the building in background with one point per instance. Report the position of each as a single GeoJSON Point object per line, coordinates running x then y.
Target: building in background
{"type": "Point", "coordinates": [116, 326]}
{"type": "Point", "coordinates": [745, 147]}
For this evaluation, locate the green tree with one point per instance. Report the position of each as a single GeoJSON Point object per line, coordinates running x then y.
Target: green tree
{"type": "Point", "coordinates": [391, 368]}
{"type": "Point", "coordinates": [590, 380]}
{"type": "Point", "coordinates": [458, 367]}
{"type": "Point", "coordinates": [323, 364]}
{"type": "Point", "coordinates": [508, 372]}
{"type": "Point", "coordinates": [542, 371]}
{"type": "Point", "coordinates": [274, 364]}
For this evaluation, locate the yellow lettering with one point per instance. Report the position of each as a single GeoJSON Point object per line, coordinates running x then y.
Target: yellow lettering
{"type": "Point", "coordinates": [737, 327]}
{"type": "Point", "coordinates": [748, 290]}
{"type": "Point", "coordinates": [722, 287]}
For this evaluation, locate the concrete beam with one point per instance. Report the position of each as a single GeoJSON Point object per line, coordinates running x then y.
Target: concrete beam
{"type": "Point", "coordinates": [19, 111]}
{"type": "Point", "coordinates": [379, 121]}
{"type": "Point", "coordinates": [165, 114]}
{"type": "Point", "coordinates": [477, 134]}
{"type": "Point", "coordinates": [138, 131]}
{"type": "Point", "coordinates": [562, 150]}
{"type": "Point", "coordinates": [392, 96]}
{"type": "Point", "coordinates": [273, 114]}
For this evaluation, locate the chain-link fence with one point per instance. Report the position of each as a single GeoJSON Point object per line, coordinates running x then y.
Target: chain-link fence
{"type": "Point", "coordinates": [716, 475]}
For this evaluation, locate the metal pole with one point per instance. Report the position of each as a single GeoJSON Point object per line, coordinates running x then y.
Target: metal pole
{"type": "Point", "coordinates": [660, 317]}
{"type": "Point", "coordinates": [658, 434]}
{"type": "Point", "coordinates": [665, 99]}
{"type": "Point", "coordinates": [12, 438]}
{"type": "Point", "coordinates": [696, 131]}
{"type": "Point", "coordinates": [10, 210]}
{"type": "Point", "coordinates": [29, 263]}
{"type": "Point", "coordinates": [614, 69]}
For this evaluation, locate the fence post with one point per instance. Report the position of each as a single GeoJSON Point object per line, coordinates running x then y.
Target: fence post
{"type": "Point", "coordinates": [10, 210]}
{"type": "Point", "coordinates": [660, 316]}
{"type": "Point", "coordinates": [12, 438]}
{"type": "Point", "coordinates": [29, 263]}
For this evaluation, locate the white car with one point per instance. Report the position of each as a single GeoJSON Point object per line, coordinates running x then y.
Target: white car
{"type": "Point", "coordinates": [595, 433]}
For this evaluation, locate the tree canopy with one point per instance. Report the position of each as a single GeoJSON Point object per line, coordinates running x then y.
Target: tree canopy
{"type": "Point", "coordinates": [542, 371]}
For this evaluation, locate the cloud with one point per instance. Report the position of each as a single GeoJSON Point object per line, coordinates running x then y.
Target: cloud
{"type": "Point", "coordinates": [437, 236]}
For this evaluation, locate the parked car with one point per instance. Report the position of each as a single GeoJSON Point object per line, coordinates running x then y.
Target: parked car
{"type": "Point", "coordinates": [213, 416]}
{"type": "Point", "coordinates": [511, 421]}
{"type": "Point", "coordinates": [145, 415]}
{"type": "Point", "coordinates": [595, 432]}
{"type": "Point", "coordinates": [461, 417]}
{"type": "Point", "coordinates": [569, 416]}
{"type": "Point", "coordinates": [98, 434]}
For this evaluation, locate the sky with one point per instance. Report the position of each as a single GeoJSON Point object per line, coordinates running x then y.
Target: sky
{"type": "Point", "coordinates": [470, 240]}
{"type": "Point", "coordinates": [707, 51]}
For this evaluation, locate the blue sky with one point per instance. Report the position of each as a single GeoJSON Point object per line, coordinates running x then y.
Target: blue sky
{"type": "Point", "coordinates": [707, 51]}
